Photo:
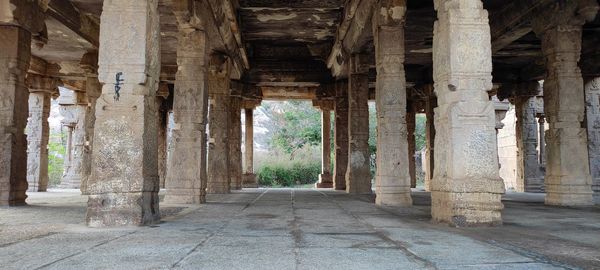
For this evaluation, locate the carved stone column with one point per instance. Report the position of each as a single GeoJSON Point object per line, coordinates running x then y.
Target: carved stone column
{"type": "Point", "coordinates": [124, 183]}
{"type": "Point", "coordinates": [235, 142]}
{"type": "Point", "coordinates": [358, 174]}
{"type": "Point", "coordinates": [466, 188]}
{"type": "Point", "coordinates": [529, 174]}
{"type": "Point", "coordinates": [41, 90]}
{"type": "Point", "coordinates": [218, 153]}
{"type": "Point", "coordinates": [186, 166]}
{"type": "Point", "coordinates": [430, 104]}
{"type": "Point", "coordinates": [325, 178]}
{"type": "Point", "coordinates": [392, 181]}
{"type": "Point", "coordinates": [568, 181]}
{"type": "Point", "coordinates": [411, 125]}
{"type": "Point", "coordinates": [249, 178]}
{"type": "Point", "coordinates": [165, 105]}
{"type": "Point", "coordinates": [341, 135]}
{"type": "Point", "coordinates": [592, 96]}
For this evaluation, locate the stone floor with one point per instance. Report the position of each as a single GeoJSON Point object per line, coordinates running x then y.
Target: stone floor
{"type": "Point", "coordinates": [298, 229]}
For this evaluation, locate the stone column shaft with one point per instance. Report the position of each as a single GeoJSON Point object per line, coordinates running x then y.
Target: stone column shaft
{"type": "Point", "coordinates": [186, 167]}
{"type": "Point", "coordinates": [341, 136]}
{"type": "Point", "coordinates": [466, 188]}
{"type": "Point", "coordinates": [325, 178]}
{"type": "Point", "coordinates": [218, 153]}
{"type": "Point", "coordinates": [124, 183]}
{"type": "Point", "coordinates": [80, 117]}
{"type": "Point", "coordinates": [592, 96]}
{"type": "Point", "coordinates": [529, 177]}
{"type": "Point", "coordinates": [542, 139]}
{"type": "Point", "coordinates": [15, 53]}
{"type": "Point", "coordinates": [568, 180]}
{"type": "Point", "coordinates": [430, 104]}
{"type": "Point", "coordinates": [37, 138]}
{"type": "Point", "coordinates": [249, 178]}
{"type": "Point", "coordinates": [392, 180]}
{"type": "Point", "coordinates": [411, 125]}
{"type": "Point", "coordinates": [358, 174]}
{"type": "Point", "coordinates": [235, 143]}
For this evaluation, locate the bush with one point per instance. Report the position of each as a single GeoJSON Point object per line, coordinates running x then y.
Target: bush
{"type": "Point", "coordinates": [288, 174]}
{"type": "Point", "coordinates": [56, 153]}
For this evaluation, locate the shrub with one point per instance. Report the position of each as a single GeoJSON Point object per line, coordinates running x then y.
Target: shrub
{"type": "Point", "coordinates": [288, 174]}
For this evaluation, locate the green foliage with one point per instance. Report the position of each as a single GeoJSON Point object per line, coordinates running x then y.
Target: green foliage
{"type": "Point", "coordinates": [288, 174]}
{"type": "Point", "coordinates": [420, 132]}
{"type": "Point", "coordinates": [56, 155]}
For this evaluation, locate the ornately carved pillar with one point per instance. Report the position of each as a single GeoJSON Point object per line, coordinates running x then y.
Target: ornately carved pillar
{"type": "Point", "coordinates": [341, 135]}
{"type": "Point", "coordinates": [41, 90]}
{"type": "Point", "coordinates": [325, 178]}
{"type": "Point", "coordinates": [77, 148]}
{"type": "Point", "coordinates": [529, 175]}
{"type": "Point", "coordinates": [249, 178]}
{"type": "Point", "coordinates": [186, 166]}
{"type": "Point", "coordinates": [392, 181]}
{"type": "Point", "coordinates": [466, 188]}
{"type": "Point", "coordinates": [235, 143]}
{"type": "Point", "coordinates": [592, 96]}
{"type": "Point", "coordinates": [218, 153]}
{"type": "Point", "coordinates": [358, 174]}
{"type": "Point", "coordinates": [124, 183]}
{"type": "Point", "coordinates": [568, 180]}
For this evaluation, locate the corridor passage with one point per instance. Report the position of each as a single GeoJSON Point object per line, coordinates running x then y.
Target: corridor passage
{"type": "Point", "coordinates": [297, 229]}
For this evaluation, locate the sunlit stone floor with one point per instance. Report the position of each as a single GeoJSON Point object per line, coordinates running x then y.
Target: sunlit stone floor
{"type": "Point", "coordinates": [298, 229]}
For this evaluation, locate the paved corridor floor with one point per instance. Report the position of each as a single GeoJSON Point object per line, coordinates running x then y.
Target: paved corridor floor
{"type": "Point", "coordinates": [298, 229]}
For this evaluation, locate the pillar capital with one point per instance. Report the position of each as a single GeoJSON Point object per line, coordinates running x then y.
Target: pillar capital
{"type": "Point", "coordinates": [89, 63]}
{"type": "Point", "coordinates": [44, 84]}
{"type": "Point", "coordinates": [359, 64]}
{"type": "Point", "coordinates": [565, 15]}
{"type": "Point", "coordinates": [324, 104]}
{"type": "Point", "coordinates": [250, 104]}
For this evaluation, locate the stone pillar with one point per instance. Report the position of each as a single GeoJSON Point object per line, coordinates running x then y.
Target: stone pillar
{"type": "Point", "coordinates": [341, 135]}
{"type": "Point", "coordinates": [466, 188]}
{"type": "Point", "coordinates": [186, 166]}
{"type": "Point", "coordinates": [218, 153]}
{"type": "Point", "coordinates": [529, 175]}
{"type": "Point", "coordinates": [592, 96]}
{"type": "Point", "coordinates": [568, 180]}
{"type": "Point", "coordinates": [430, 104]}
{"type": "Point", "coordinates": [542, 139]}
{"type": "Point", "coordinates": [41, 90]}
{"type": "Point", "coordinates": [77, 152]}
{"type": "Point", "coordinates": [235, 143]}
{"type": "Point", "coordinates": [249, 178]}
{"type": "Point", "coordinates": [358, 174]}
{"type": "Point", "coordinates": [15, 52]}
{"type": "Point", "coordinates": [411, 125]}
{"type": "Point", "coordinates": [392, 180]}
{"type": "Point", "coordinates": [325, 178]}
{"type": "Point", "coordinates": [124, 183]}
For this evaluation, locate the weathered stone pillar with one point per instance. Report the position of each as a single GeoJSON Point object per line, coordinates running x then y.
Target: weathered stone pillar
{"type": "Point", "coordinates": [186, 167]}
{"type": "Point", "coordinates": [430, 104]}
{"type": "Point", "coordinates": [542, 138]}
{"type": "Point", "coordinates": [392, 180]}
{"type": "Point", "coordinates": [411, 125]}
{"type": "Point", "coordinates": [218, 153]}
{"type": "Point", "coordinates": [358, 174]}
{"type": "Point", "coordinates": [529, 175]}
{"type": "Point", "coordinates": [249, 178]}
{"type": "Point", "coordinates": [124, 184]}
{"type": "Point", "coordinates": [341, 135]}
{"type": "Point", "coordinates": [165, 105]}
{"type": "Point", "coordinates": [568, 181]}
{"type": "Point", "coordinates": [592, 96]}
{"type": "Point", "coordinates": [235, 142]}
{"type": "Point", "coordinates": [41, 90]}
{"type": "Point", "coordinates": [467, 188]}
{"type": "Point", "coordinates": [325, 178]}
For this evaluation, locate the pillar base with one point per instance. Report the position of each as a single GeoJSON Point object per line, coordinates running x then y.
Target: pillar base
{"type": "Point", "coordinates": [249, 180]}
{"type": "Point", "coordinates": [569, 195]}
{"type": "Point", "coordinates": [394, 199]}
{"type": "Point", "coordinates": [535, 185]}
{"type": "Point", "coordinates": [15, 202]}
{"type": "Point", "coordinates": [184, 196]}
{"type": "Point", "coordinates": [213, 188]}
{"type": "Point", "coordinates": [70, 183]}
{"type": "Point", "coordinates": [325, 181]}
{"type": "Point", "coordinates": [122, 209]}
{"type": "Point", "coordinates": [466, 209]}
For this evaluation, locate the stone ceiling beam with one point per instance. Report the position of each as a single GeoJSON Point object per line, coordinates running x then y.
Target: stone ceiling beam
{"type": "Point", "coordinates": [82, 24]}
{"type": "Point", "coordinates": [352, 34]}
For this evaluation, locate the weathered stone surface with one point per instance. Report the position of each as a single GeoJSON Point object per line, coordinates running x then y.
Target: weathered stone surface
{"type": "Point", "coordinates": [124, 185]}
{"type": "Point", "coordinates": [411, 125]}
{"type": "Point", "coordinates": [430, 104]}
{"type": "Point", "coordinates": [249, 179]}
{"type": "Point", "coordinates": [186, 173]}
{"type": "Point", "coordinates": [325, 178]}
{"type": "Point", "coordinates": [41, 90]}
{"type": "Point", "coordinates": [15, 53]}
{"type": "Point", "coordinates": [358, 174]}
{"type": "Point", "coordinates": [393, 178]}
{"type": "Point", "coordinates": [568, 180]}
{"type": "Point", "coordinates": [77, 116]}
{"type": "Point", "coordinates": [592, 97]}
{"type": "Point", "coordinates": [530, 177]}
{"type": "Point", "coordinates": [218, 152]}
{"type": "Point", "coordinates": [341, 135]}
{"type": "Point", "coordinates": [235, 143]}
{"type": "Point", "coordinates": [466, 188]}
